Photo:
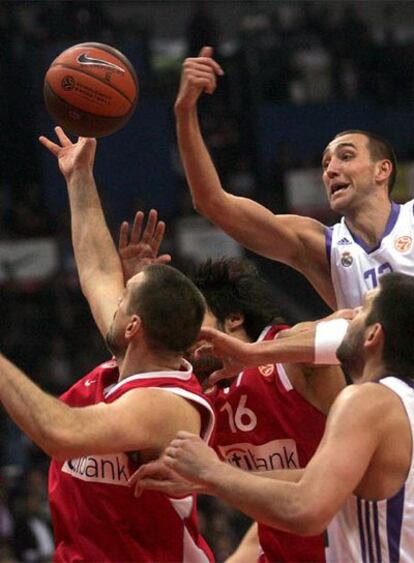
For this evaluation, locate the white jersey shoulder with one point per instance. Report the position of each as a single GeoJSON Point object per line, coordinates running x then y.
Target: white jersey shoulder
{"type": "Point", "coordinates": [377, 531]}
{"type": "Point", "coordinates": [355, 269]}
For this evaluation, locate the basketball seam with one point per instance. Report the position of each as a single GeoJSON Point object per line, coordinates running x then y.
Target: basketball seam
{"type": "Point", "coordinates": [88, 112]}
{"type": "Point", "coordinates": [65, 65]}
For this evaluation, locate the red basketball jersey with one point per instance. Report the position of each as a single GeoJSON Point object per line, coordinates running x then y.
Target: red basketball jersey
{"type": "Point", "coordinates": [95, 514]}
{"type": "Point", "coordinates": [264, 424]}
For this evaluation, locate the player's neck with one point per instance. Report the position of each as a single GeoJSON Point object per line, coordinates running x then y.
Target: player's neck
{"type": "Point", "coordinates": [373, 369]}
{"type": "Point", "coordinates": [147, 361]}
{"type": "Point", "coordinates": [368, 222]}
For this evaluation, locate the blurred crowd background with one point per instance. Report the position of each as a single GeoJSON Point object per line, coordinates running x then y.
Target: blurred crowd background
{"type": "Point", "coordinates": [296, 73]}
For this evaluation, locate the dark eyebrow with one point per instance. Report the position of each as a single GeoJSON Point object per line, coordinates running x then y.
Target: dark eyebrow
{"type": "Point", "coordinates": [340, 146]}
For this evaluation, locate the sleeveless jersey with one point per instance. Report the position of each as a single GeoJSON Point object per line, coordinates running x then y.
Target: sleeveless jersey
{"type": "Point", "coordinates": [378, 531]}
{"type": "Point", "coordinates": [263, 423]}
{"type": "Point", "coordinates": [95, 514]}
{"type": "Point", "coordinates": [355, 269]}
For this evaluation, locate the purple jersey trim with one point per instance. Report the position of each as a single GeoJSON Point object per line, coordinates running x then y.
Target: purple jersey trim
{"type": "Point", "coordinates": [392, 219]}
{"type": "Point", "coordinates": [395, 509]}
{"type": "Point", "coordinates": [376, 531]}
{"type": "Point", "coordinates": [328, 243]}
{"type": "Point", "coordinates": [361, 530]}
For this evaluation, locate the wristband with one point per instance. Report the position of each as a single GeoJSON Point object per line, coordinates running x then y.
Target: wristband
{"type": "Point", "coordinates": [328, 337]}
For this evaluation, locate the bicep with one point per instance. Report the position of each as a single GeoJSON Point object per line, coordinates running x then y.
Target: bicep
{"type": "Point", "coordinates": [341, 460]}
{"type": "Point", "coordinates": [280, 237]}
{"type": "Point", "coordinates": [140, 419]}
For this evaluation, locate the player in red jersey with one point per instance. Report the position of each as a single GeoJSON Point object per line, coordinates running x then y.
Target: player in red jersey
{"type": "Point", "coordinates": [121, 414]}
{"type": "Point", "coordinates": [271, 417]}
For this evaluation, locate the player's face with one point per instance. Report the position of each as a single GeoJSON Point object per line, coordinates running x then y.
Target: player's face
{"type": "Point", "coordinates": [204, 366]}
{"type": "Point", "coordinates": [351, 352]}
{"type": "Point", "coordinates": [348, 171]}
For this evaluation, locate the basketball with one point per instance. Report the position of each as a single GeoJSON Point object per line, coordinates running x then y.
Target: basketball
{"type": "Point", "coordinates": [91, 90]}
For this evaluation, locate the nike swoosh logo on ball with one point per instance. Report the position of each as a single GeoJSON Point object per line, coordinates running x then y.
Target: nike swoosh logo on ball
{"type": "Point", "coordinates": [84, 59]}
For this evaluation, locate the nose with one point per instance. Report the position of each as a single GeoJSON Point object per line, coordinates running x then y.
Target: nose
{"type": "Point", "coordinates": [331, 169]}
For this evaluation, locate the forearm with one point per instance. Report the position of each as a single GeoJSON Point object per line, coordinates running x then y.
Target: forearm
{"type": "Point", "coordinates": [200, 171]}
{"type": "Point", "coordinates": [292, 475]}
{"type": "Point", "coordinates": [299, 347]}
{"type": "Point", "coordinates": [38, 414]}
{"type": "Point", "coordinates": [275, 503]}
{"type": "Point", "coordinates": [94, 249]}
{"type": "Point", "coordinates": [317, 343]}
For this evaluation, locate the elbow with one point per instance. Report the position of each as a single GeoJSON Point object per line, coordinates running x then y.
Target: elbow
{"type": "Point", "coordinates": [210, 205]}
{"type": "Point", "coordinates": [305, 520]}
{"type": "Point", "coordinates": [58, 445]}
{"type": "Point", "coordinates": [308, 525]}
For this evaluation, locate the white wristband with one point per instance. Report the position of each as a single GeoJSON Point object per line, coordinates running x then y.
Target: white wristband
{"type": "Point", "coordinates": [328, 337]}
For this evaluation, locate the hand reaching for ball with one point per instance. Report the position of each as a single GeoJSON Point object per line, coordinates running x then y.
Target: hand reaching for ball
{"type": "Point", "coordinates": [72, 157]}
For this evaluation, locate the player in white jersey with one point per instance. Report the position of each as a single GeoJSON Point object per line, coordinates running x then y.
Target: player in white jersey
{"type": "Point", "coordinates": [358, 171]}
{"type": "Point", "coordinates": [356, 268]}
{"type": "Point", "coordinates": [360, 482]}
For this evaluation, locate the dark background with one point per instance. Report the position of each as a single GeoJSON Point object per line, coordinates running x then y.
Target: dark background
{"type": "Point", "coordinates": [296, 74]}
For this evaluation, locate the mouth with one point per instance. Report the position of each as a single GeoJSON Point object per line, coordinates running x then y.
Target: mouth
{"type": "Point", "coordinates": [339, 187]}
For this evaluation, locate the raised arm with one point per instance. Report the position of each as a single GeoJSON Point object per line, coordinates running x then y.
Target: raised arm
{"type": "Point", "coordinates": [294, 240]}
{"type": "Point", "coordinates": [97, 260]}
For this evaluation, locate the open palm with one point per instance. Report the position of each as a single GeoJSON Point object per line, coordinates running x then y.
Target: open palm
{"type": "Point", "coordinates": [71, 156]}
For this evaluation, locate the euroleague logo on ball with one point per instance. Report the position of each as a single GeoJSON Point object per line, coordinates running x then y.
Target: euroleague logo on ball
{"type": "Point", "coordinates": [68, 83]}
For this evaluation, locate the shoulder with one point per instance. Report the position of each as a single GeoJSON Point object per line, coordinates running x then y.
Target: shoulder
{"type": "Point", "coordinates": [369, 402]}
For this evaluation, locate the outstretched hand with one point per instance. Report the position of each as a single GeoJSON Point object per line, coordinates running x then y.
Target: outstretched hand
{"type": "Point", "coordinates": [156, 476]}
{"type": "Point", "coordinates": [137, 247]}
{"type": "Point", "coordinates": [233, 353]}
{"type": "Point", "coordinates": [72, 157]}
{"type": "Point", "coordinates": [190, 457]}
{"type": "Point", "coordinates": [199, 75]}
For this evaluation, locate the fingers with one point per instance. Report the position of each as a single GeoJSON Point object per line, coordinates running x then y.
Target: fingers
{"type": "Point", "coordinates": [123, 235]}
{"type": "Point", "coordinates": [203, 350]}
{"type": "Point", "coordinates": [220, 375]}
{"type": "Point", "coordinates": [52, 147]}
{"type": "Point", "coordinates": [163, 259]}
{"type": "Point", "coordinates": [208, 333]}
{"type": "Point", "coordinates": [206, 51]}
{"type": "Point", "coordinates": [63, 138]}
{"type": "Point", "coordinates": [137, 227]}
{"type": "Point", "coordinates": [202, 71]}
{"type": "Point", "coordinates": [158, 236]}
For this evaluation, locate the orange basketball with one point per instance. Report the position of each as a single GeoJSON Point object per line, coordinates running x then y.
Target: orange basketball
{"type": "Point", "coordinates": [91, 90]}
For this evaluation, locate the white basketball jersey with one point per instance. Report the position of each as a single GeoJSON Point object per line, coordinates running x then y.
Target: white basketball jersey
{"type": "Point", "coordinates": [377, 531]}
{"type": "Point", "coordinates": [355, 269]}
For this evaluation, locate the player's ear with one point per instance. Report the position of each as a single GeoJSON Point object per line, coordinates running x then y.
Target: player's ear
{"type": "Point", "coordinates": [384, 169]}
{"type": "Point", "coordinates": [233, 322]}
{"type": "Point", "coordinates": [374, 336]}
{"type": "Point", "coordinates": [133, 327]}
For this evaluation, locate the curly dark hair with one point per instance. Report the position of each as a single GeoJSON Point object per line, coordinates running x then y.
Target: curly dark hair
{"type": "Point", "coordinates": [234, 286]}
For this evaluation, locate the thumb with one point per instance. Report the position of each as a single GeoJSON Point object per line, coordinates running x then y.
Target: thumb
{"type": "Point", "coordinates": [206, 52]}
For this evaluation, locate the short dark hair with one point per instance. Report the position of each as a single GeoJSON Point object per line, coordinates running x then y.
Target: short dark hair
{"type": "Point", "coordinates": [234, 286]}
{"type": "Point", "coordinates": [379, 148]}
{"type": "Point", "coordinates": [393, 308]}
{"type": "Point", "coordinates": [171, 308]}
